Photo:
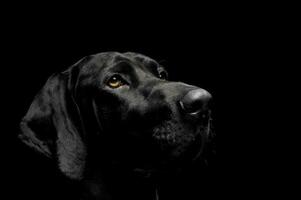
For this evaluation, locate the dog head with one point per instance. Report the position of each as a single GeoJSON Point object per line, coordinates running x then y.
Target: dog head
{"type": "Point", "coordinates": [120, 108]}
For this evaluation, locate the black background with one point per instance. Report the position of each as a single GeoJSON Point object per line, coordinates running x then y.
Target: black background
{"type": "Point", "coordinates": [228, 52]}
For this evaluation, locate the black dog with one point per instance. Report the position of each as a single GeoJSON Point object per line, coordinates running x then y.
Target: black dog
{"type": "Point", "coordinates": [112, 117]}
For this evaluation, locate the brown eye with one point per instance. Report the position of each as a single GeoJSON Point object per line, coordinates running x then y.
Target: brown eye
{"type": "Point", "coordinates": [115, 81]}
{"type": "Point", "coordinates": [163, 75]}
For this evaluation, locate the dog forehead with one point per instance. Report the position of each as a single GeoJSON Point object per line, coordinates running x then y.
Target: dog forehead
{"type": "Point", "coordinates": [101, 63]}
{"type": "Point", "coordinates": [108, 59]}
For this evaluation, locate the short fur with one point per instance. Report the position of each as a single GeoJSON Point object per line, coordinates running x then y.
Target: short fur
{"type": "Point", "coordinates": [96, 133]}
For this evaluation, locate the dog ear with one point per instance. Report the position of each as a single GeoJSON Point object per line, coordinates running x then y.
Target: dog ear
{"type": "Point", "coordinates": [53, 125]}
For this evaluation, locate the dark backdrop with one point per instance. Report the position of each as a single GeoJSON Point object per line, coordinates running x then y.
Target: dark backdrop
{"type": "Point", "coordinates": [223, 53]}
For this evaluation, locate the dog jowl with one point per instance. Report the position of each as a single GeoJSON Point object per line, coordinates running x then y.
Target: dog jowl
{"type": "Point", "coordinates": [114, 112]}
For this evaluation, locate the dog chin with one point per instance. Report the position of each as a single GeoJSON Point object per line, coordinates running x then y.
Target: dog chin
{"type": "Point", "coordinates": [170, 149]}
{"type": "Point", "coordinates": [179, 146]}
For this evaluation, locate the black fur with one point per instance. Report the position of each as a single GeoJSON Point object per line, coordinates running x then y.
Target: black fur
{"type": "Point", "coordinates": [105, 138]}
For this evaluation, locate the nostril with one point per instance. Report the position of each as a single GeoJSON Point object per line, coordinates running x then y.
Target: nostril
{"type": "Point", "coordinates": [191, 107]}
{"type": "Point", "coordinates": [195, 101]}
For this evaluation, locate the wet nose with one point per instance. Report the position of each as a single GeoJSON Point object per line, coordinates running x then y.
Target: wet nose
{"type": "Point", "coordinates": [195, 101]}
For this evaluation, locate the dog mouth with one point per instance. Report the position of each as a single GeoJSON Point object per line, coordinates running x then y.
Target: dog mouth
{"type": "Point", "coordinates": [177, 143]}
{"type": "Point", "coordinates": [172, 151]}
{"type": "Point", "coordinates": [167, 147]}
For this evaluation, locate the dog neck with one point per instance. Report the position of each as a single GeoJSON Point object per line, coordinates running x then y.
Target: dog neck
{"type": "Point", "coordinates": [117, 187]}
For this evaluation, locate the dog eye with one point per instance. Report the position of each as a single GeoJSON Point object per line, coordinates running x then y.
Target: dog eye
{"type": "Point", "coordinates": [116, 81]}
{"type": "Point", "coordinates": [163, 75]}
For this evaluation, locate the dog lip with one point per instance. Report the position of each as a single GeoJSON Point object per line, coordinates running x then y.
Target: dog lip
{"type": "Point", "coordinates": [165, 138]}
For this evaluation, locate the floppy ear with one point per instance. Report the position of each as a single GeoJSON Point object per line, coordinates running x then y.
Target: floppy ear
{"type": "Point", "coordinates": [53, 125]}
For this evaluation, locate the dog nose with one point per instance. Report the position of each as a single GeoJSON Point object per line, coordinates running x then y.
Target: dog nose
{"type": "Point", "coordinates": [195, 101]}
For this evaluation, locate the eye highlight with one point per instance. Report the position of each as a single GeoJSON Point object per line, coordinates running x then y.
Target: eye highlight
{"type": "Point", "coordinates": [116, 81]}
{"type": "Point", "coordinates": [163, 75]}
